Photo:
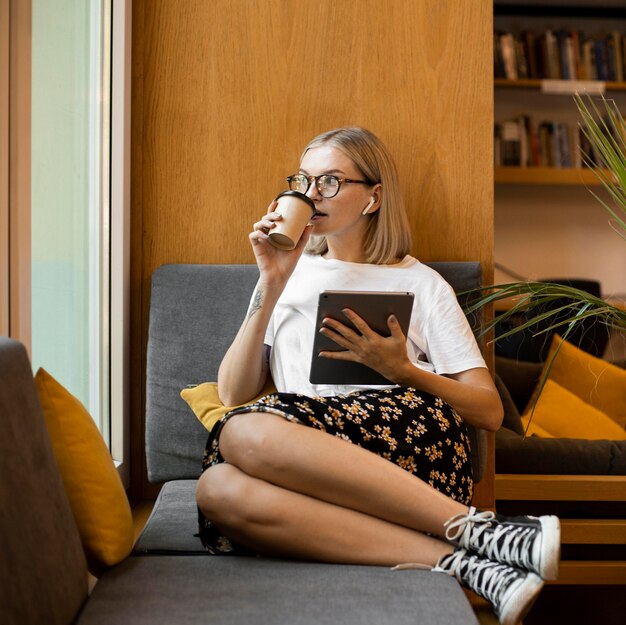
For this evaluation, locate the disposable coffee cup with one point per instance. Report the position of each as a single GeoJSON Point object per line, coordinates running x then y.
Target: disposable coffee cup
{"type": "Point", "coordinates": [296, 210]}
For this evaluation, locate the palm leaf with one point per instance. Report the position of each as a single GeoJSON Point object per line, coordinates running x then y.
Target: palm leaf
{"type": "Point", "coordinates": [609, 140]}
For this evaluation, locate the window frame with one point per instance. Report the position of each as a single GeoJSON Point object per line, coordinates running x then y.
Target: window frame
{"type": "Point", "coordinates": [120, 154]}
{"type": "Point", "coordinates": [15, 170]}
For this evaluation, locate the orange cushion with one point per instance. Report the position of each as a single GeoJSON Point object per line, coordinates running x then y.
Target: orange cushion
{"type": "Point", "coordinates": [595, 381]}
{"type": "Point", "coordinates": [92, 483]}
{"type": "Point", "coordinates": [564, 415]}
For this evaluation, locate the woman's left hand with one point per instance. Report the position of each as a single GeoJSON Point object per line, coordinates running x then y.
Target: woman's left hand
{"type": "Point", "coordinates": [387, 355]}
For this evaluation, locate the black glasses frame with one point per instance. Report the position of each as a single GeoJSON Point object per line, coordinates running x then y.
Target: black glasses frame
{"type": "Point", "coordinates": [317, 179]}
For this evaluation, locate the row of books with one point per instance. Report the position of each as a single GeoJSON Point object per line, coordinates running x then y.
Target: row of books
{"type": "Point", "coordinates": [522, 143]}
{"type": "Point", "coordinates": [559, 54]}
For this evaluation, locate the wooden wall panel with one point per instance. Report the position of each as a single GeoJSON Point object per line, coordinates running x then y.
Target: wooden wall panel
{"type": "Point", "coordinates": [227, 93]}
{"type": "Point", "coordinates": [4, 167]}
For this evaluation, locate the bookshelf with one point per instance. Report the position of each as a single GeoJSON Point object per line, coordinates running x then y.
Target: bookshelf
{"type": "Point", "coordinates": [543, 54]}
{"type": "Point", "coordinates": [545, 175]}
{"type": "Point", "coordinates": [546, 221]}
{"type": "Point", "coordinates": [536, 83]}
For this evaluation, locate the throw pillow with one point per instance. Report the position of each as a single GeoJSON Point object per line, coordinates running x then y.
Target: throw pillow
{"type": "Point", "coordinates": [93, 485]}
{"type": "Point", "coordinates": [596, 381]}
{"type": "Point", "coordinates": [207, 405]}
{"type": "Point", "coordinates": [564, 415]}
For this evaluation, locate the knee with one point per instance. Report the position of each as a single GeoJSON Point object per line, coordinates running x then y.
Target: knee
{"type": "Point", "coordinates": [231, 499]}
{"type": "Point", "coordinates": [249, 441]}
{"type": "Point", "coordinates": [221, 493]}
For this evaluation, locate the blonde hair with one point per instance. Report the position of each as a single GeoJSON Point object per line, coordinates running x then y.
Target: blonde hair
{"type": "Point", "coordinates": [387, 237]}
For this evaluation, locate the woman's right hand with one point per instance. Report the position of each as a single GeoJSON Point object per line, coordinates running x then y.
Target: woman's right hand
{"type": "Point", "coordinates": [275, 265]}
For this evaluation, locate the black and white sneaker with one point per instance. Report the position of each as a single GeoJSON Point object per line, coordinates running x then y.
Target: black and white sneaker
{"type": "Point", "coordinates": [510, 590]}
{"type": "Point", "coordinates": [527, 542]}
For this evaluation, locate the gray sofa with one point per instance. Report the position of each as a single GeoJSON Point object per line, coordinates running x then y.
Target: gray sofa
{"type": "Point", "coordinates": [194, 314]}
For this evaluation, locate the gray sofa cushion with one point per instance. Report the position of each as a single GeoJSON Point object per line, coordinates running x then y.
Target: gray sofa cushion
{"type": "Point", "coordinates": [195, 312]}
{"type": "Point", "coordinates": [232, 590]}
{"type": "Point", "coordinates": [43, 572]}
{"type": "Point", "coordinates": [173, 522]}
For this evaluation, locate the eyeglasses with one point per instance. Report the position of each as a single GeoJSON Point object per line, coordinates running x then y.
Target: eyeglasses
{"type": "Point", "coordinates": [327, 185]}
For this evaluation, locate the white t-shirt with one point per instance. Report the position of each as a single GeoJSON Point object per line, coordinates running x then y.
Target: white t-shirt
{"type": "Point", "coordinates": [439, 338]}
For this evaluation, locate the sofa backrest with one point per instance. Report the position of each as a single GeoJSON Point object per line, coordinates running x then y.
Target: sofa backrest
{"type": "Point", "coordinates": [195, 313]}
{"type": "Point", "coordinates": [42, 564]}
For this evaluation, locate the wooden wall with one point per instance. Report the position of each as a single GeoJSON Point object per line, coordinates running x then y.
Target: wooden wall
{"type": "Point", "coordinates": [227, 93]}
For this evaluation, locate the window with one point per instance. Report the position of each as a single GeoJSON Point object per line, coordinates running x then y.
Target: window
{"type": "Point", "coordinates": [70, 208]}
{"type": "Point", "coordinates": [64, 271]}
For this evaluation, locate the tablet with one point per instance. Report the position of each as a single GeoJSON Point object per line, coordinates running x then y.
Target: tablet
{"type": "Point", "coordinates": [374, 307]}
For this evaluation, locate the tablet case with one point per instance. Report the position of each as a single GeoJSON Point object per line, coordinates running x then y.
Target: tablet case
{"type": "Point", "coordinates": [374, 307]}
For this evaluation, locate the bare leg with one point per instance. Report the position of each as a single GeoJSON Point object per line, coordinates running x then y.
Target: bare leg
{"type": "Point", "coordinates": [281, 523]}
{"type": "Point", "coordinates": [313, 463]}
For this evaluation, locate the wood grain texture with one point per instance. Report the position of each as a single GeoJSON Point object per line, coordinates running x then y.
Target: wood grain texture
{"type": "Point", "coordinates": [591, 572]}
{"type": "Point", "coordinates": [523, 487]}
{"type": "Point", "coordinates": [226, 95]}
{"type": "Point", "coordinates": [593, 531]}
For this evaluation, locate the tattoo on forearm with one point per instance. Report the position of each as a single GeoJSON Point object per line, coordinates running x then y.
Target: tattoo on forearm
{"type": "Point", "coordinates": [256, 303]}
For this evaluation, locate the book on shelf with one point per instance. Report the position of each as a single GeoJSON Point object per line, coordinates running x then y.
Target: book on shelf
{"type": "Point", "coordinates": [509, 56]}
{"type": "Point", "coordinates": [498, 57]}
{"type": "Point", "coordinates": [529, 49]}
{"type": "Point", "coordinates": [617, 51]}
{"type": "Point", "coordinates": [559, 55]}
{"type": "Point", "coordinates": [510, 148]}
{"type": "Point", "coordinates": [562, 45]}
{"type": "Point", "coordinates": [588, 59]}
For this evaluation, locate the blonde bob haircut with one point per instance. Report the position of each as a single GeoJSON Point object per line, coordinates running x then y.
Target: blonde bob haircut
{"type": "Point", "coordinates": [387, 238]}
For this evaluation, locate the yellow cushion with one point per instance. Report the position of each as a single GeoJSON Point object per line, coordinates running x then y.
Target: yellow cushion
{"type": "Point", "coordinates": [596, 381]}
{"type": "Point", "coordinates": [92, 483]}
{"type": "Point", "coordinates": [564, 415]}
{"type": "Point", "coordinates": [207, 406]}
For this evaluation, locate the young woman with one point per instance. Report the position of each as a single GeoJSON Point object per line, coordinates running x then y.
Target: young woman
{"type": "Point", "coordinates": [364, 475]}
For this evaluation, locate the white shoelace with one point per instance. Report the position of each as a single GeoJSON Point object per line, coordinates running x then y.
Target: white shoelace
{"type": "Point", "coordinates": [508, 543]}
{"type": "Point", "coordinates": [487, 578]}
{"type": "Point", "coordinates": [513, 545]}
{"type": "Point", "coordinates": [461, 521]}
{"type": "Point", "coordinates": [406, 566]}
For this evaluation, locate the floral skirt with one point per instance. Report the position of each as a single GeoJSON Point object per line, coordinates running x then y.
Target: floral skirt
{"type": "Point", "coordinates": [413, 429]}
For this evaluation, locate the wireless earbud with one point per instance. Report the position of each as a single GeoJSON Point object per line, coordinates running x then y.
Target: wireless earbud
{"type": "Point", "coordinates": [367, 208]}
